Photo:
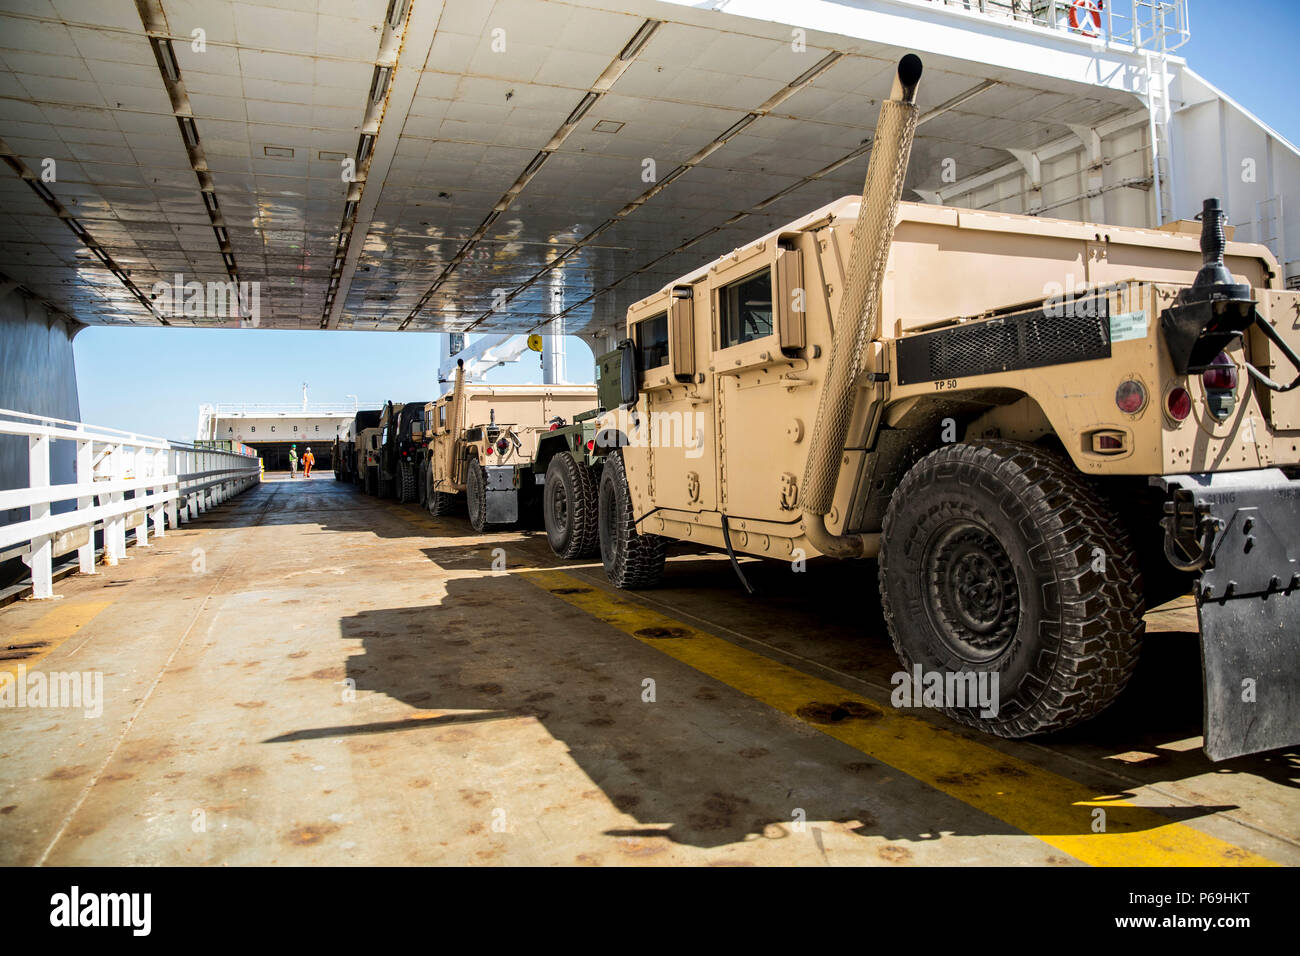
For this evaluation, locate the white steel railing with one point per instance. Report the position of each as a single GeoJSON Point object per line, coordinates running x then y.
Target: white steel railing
{"type": "Point", "coordinates": [123, 481]}
{"type": "Point", "coordinates": [1160, 26]}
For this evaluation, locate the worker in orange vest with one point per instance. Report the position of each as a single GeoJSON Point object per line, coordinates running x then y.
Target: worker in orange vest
{"type": "Point", "coordinates": [308, 459]}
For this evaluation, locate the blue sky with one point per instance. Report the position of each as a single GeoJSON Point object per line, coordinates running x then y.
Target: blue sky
{"type": "Point", "coordinates": [153, 380]}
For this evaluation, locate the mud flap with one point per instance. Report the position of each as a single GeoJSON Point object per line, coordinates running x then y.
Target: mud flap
{"type": "Point", "coordinates": [1248, 602]}
{"type": "Point", "coordinates": [502, 494]}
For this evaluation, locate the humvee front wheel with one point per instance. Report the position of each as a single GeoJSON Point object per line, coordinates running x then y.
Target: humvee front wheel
{"type": "Point", "coordinates": [569, 507]}
{"type": "Point", "coordinates": [998, 558]}
{"type": "Point", "coordinates": [476, 495]}
{"type": "Point", "coordinates": [632, 559]}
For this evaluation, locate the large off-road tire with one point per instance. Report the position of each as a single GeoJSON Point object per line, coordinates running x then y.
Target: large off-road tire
{"type": "Point", "coordinates": [998, 556]}
{"type": "Point", "coordinates": [406, 478]}
{"type": "Point", "coordinates": [442, 503]}
{"type": "Point", "coordinates": [422, 484]}
{"type": "Point", "coordinates": [570, 507]}
{"type": "Point", "coordinates": [476, 495]}
{"type": "Point", "coordinates": [372, 482]}
{"type": "Point", "coordinates": [632, 560]}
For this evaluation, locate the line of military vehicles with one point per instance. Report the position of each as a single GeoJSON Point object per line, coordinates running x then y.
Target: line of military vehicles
{"type": "Point", "coordinates": [1039, 429]}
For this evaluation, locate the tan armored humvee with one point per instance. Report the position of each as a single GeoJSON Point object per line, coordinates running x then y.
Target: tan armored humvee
{"type": "Point", "coordinates": [1036, 426]}
{"type": "Point", "coordinates": [483, 440]}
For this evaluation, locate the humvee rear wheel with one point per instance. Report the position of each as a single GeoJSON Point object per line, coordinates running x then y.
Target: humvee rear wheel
{"type": "Point", "coordinates": [569, 507]}
{"type": "Point", "coordinates": [406, 491]}
{"type": "Point", "coordinates": [632, 560]}
{"type": "Point", "coordinates": [372, 483]}
{"type": "Point", "coordinates": [476, 495]}
{"type": "Point", "coordinates": [422, 485]}
{"type": "Point", "coordinates": [998, 557]}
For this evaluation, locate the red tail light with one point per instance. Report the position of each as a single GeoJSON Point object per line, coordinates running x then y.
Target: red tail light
{"type": "Point", "coordinates": [488, 450]}
{"type": "Point", "coordinates": [554, 425]}
{"type": "Point", "coordinates": [1221, 374]}
{"type": "Point", "coordinates": [1131, 397]}
{"type": "Point", "coordinates": [591, 445]}
{"type": "Point", "coordinates": [1179, 403]}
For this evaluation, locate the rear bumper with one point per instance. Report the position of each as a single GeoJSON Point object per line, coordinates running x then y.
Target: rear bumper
{"type": "Point", "coordinates": [1240, 531]}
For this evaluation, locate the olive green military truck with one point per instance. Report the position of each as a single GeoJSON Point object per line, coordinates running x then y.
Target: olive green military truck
{"type": "Point", "coordinates": [1038, 428]}
{"type": "Point", "coordinates": [568, 461]}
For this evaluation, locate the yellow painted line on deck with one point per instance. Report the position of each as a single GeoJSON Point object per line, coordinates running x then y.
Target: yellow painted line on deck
{"type": "Point", "coordinates": [1055, 809]}
{"type": "Point", "coordinates": [53, 628]}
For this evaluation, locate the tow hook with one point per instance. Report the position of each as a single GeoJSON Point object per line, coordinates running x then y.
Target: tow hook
{"type": "Point", "coordinates": [1189, 532]}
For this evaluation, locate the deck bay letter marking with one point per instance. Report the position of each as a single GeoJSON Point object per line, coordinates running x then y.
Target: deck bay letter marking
{"type": "Point", "coordinates": [1248, 170]}
{"type": "Point", "coordinates": [199, 41]}
{"type": "Point", "coordinates": [1098, 820]}
{"type": "Point", "coordinates": [648, 174]}
{"type": "Point", "coordinates": [648, 690]}
{"type": "Point", "coordinates": [1248, 690]}
{"type": "Point", "coordinates": [799, 40]}
{"type": "Point", "coordinates": [49, 169]}
{"type": "Point", "coordinates": [498, 40]}
{"type": "Point", "coordinates": [799, 819]}
{"type": "Point", "coordinates": [498, 820]}
{"type": "Point", "coordinates": [498, 559]}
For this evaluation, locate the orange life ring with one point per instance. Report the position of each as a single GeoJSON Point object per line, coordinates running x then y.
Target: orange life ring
{"type": "Point", "coordinates": [1081, 11]}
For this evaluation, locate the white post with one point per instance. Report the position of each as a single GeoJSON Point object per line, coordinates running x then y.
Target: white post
{"type": "Point", "coordinates": [86, 476]}
{"type": "Point", "coordinates": [114, 527]}
{"type": "Point", "coordinates": [173, 506]}
{"type": "Point", "coordinates": [157, 461]}
{"type": "Point", "coordinates": [142, 474]}
{"type": "Point", "coordinates": [42, 556]}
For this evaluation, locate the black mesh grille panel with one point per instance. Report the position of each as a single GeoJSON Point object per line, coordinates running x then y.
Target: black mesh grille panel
{"type": "Point", "coordinates": [1075, 331]}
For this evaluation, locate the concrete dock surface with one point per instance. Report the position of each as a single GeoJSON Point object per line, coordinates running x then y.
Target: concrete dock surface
{"type": "Point", "coordinates": [308, 675]}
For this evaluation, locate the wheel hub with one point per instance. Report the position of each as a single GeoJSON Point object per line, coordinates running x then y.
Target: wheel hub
{"type": "Point", "coordinates": [972, 591]}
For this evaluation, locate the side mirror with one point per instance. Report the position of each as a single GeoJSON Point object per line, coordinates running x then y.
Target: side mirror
{"type": "Point", "coordinates": [627, 373]}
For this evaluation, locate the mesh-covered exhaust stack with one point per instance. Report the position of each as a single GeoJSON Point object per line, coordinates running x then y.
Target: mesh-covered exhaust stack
{"type": "Point", "coordinates": [458, 401]}
{"type": "Point", "coordinates": [859, 312]}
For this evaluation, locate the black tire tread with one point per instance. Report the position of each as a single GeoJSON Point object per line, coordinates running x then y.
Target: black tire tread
{"type": "Point", "coordinates": [584, 504]}
{"type": "Point", "coordinates": [406, 488]}
{"type": "Point", "coordinates": [477, 512]}
{"type": "Point", "coordinates": [638, 559]}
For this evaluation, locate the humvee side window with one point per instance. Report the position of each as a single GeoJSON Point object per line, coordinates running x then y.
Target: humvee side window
{"type": "Point", "coordinates": [745, 310]}
{"type": "Point", "coordinates": [652, 341]}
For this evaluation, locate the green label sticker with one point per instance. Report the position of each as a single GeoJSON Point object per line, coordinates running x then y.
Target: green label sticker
{"type": "Point", "coordinates": [1128, 325]}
